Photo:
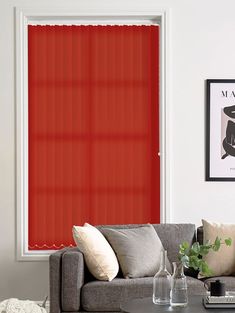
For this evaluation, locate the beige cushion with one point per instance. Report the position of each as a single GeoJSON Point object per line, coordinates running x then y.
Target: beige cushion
{"type": "Point", "coordinates": [138, 250]}
{"type": "Point", "coordinates": [221, 262]}
{"type": "Point", "coordinates": [99, 256]}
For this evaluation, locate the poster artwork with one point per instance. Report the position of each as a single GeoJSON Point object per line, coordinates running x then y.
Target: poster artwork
{"type": "Point", "coordinates": [220, 139]}
{"type": "Point", "coordinates": [228, 130]}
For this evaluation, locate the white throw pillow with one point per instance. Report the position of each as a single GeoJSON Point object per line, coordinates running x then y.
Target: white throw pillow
{"type": "Point", "coordinates": [222, 262]}
{"type": "Point", "coordinates": [99, 255]}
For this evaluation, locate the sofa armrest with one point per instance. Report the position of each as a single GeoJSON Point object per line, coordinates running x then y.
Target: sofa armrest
{"type": "Point", "coordinates": [55, 281]}
{"type": "Point", "coordinates": [72, 279]}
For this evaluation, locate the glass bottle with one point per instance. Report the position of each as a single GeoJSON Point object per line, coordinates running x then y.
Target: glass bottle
{"type": "Point", "coordinates": [162, 283]}
{"type": "Point", "coordinates": [179, 294]}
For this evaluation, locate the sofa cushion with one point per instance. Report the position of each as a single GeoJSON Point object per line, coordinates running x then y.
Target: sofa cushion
{"type": "Point", "coordinates": [107, 296]}
{"type": "Point", "coordinates": [171, 235]}
{"type": "Point", "coordinates": [138, 250]}
{"type": "Point", "coordinates": [222, 262]}
{"type": "Point", "coordinates": [99, 256]}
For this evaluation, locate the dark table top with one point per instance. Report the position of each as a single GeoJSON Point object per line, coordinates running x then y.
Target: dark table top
{"type": "Point", "coordinates": [146, 305]}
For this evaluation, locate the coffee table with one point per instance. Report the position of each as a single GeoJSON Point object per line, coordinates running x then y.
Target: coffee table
{"type": "Point", "coordinates": [146, 305]}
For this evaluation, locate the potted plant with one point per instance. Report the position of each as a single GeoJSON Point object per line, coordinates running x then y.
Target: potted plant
{"type": "Point", "coordinates": [192, 257]}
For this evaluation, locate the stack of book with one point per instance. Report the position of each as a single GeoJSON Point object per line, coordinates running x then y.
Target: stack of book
{"type": "Point", "coordinates": [226, 302]}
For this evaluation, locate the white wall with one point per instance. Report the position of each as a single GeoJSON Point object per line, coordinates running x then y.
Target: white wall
{"type": "Point", "coordinates": [202, 46]}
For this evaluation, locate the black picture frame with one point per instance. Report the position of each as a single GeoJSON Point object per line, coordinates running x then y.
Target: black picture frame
{"type": "Point", "coordinates": [220, 94]}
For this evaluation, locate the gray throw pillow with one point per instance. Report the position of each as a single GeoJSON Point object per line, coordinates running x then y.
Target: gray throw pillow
{"type": "Point", "coordinates": [138, 250]}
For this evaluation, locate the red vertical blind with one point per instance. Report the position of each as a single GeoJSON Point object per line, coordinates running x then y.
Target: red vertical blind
{"type": "Point", "coordinates": [93, 129]}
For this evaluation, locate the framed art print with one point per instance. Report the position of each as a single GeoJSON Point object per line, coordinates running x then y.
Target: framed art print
{"type": "Point", "coordinates": [220, 124]}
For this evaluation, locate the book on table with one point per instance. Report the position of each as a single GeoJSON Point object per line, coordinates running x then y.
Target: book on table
{"type": "Point", "coordinates": [227, 301]}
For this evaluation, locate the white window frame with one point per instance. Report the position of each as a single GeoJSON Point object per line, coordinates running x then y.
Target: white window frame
{"type": "Point", "coordinates": [26, 16]}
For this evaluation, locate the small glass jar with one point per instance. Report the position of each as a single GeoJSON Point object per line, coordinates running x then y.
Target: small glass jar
{"type": "Point", "coordinates": [179, 294]}
{"type": "Point", "coordinates": [162, 283]}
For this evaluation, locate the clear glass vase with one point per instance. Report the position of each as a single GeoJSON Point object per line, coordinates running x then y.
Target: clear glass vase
{"type": "Point", "coordinates": [179, 293]}
{"type": "Point", "coordinates": [162, 283]}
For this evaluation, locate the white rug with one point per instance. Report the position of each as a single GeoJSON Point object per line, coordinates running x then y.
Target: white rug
{"type": "Point", "coordinates": [20, 306]}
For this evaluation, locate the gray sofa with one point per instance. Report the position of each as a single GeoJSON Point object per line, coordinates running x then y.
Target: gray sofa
{"type": "Point", "coordinates": [74, 289]}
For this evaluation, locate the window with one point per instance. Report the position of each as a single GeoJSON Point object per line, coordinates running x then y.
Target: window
{"type": "Point", "coordinates": [92, 131]}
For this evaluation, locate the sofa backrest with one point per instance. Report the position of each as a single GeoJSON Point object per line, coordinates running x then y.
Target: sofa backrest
{"type": "Point", "coordinates": [200, 234]}
{"type": "Point", "coordinates": [171, 235]}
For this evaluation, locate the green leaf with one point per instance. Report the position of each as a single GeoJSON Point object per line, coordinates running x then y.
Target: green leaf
{"type": "Point", "coordinates": [228, 241]}
{"type": "Point", "coordinates": [216, 244]}
{"type": "Point", "coordinates": [184, 248]}
{"type": "Point", "coordinates": [185, 261]}
{"type": "Point", "coordinates": [196, 247]}
{"type": "Point", "coordinates": [200, 262]}
{"type": "Point", "coordinates": [194, 262]}
{"type": "Point", "coordinates": [204, 250]}
{"type": "Point", "coordinates": [204, 269]}
{"type": "Point", "coordinates": [185, 245]}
